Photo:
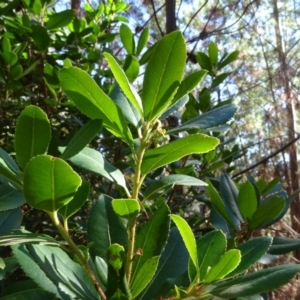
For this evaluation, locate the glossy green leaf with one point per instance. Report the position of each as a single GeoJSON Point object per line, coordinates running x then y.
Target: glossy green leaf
{"type": "Point", "coordinates": [82, 138]}
{"type": "Point", "coordinates": [283, 245]}
{"type": "Point", "coordinates": [172, 263]}
{"type": "Point", "coordinates": [167, 182]}
{"type": "Point", "coordinates": [127, 39]}
{"type": "Point", "coordinates": [213, 52]}
{"type": "Point", "coordinates": [144, 276]}
{"type": "Point", "coordinates": [40, 37]}
{"type": "Point", "coordinates": [101, 268]}
{"type": "Point", "coordinates": [10, 198]}
{"type": "Point", "coordinates": [210, 248]}
{"type": "Point", "coordinates": [228, 59]}
{"type": "Point", "coordinates": [188, 84]}
{"type": "Point", "coordinates": [174, 108]}
{"type": "Point", "coordinates": [151, 238]}
{"type": "Point", "coordinates": [51, 267]}
{"type": "Point", "coordinates": [163, 74]}
{"type": "Point", "coordinates": [77, 202]}
{"type": "Point", "coordinates": [49, 183]}
{"type": "Point", "coordinates": [124, 84]}
{"type": "Point", "coordinates": [213, 118]}
{"type": "Point", "coordinates": [228, 262]}
{"type": "Point", "coordinates": [10, 219]}
{"type": "Point", "coordinates": [5, 43]}
{"type": "Point", "coordinates": [143, 40]}
{"type": "Point", "coordinates": [129, 111]}
{"type": "Point", "coordinates": [93, 102]}
{"type": "Point", "coordinates": [92, 160]}
{"type": "Point", "coordinates": [9, 58]}
{"type": "Point", "coordinates": [25, 290]}
{"type": "Point", "coordinates": [188, 238]}
{"type": "Point", "coordinates": [247, 201]}
{"type": "Point", "coordinates": [158, 157]}
{"type": "Point", "coordinates": [204, 61]}
{"type": "Point", "coordinates": [268, 210]}
{"type": "Point", "coordinates": [60, 19]}
{"type": "Point", "coordinates": [257, 282]}
{"type": "Point", "coordinates": [32, 134]}
{"type": "Point", "coordinates": [17, 237]}
{"type": "Point", "coordinates": [126, 208]}
{"type": "Point", "coordinates": [131, 67]}
{"type": "Point", "coordinates": [251, 252]}
{"type": "Point", "coordinates": [104, 227]}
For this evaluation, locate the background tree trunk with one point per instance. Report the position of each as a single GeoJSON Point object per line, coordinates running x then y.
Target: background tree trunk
{"type": "Point", "coordinates": [75, 6]}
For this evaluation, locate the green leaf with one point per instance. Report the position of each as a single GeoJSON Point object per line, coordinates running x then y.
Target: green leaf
{"type": "Point", "coordinates": [174, 108]}
{"type": "Point", "coordinates": [8, 266]}
{"type": "Point", "coordinates": [49, 183]}
{"type": "Point", "coordinates": [163, 74]}
{"type": "Point", "coordinates": [34, 5]}
{"type": "Point", "coordinates": [144, 276]}
{"type": "Point", "coordinates": [5, 43]}
{"type": "Point", "coordinates": [246, 200]}
{"type": "Point", "coordinates": [101, 268]}
{"type": "Point", "coordinates": [204, 61]}
{"type": "Point", "coordinates": [257, 282]}
{"type": "Point", "coordinates": [51, 267]}
{"type": "Point", "coordinates": [9, 57]}
{"type": "Point", "coordinates": [10, 198]}
{"type": "Point", "coordinates": [167, 182]}
{"type": "Point", "coordinates": [228, 59]}
{"type": "Point", "coordinates": [188, 238]}
{"type": "Point", "coordinates": [228, 262]}
{"type": "Point", "coordinates": [125, 85]}
{"type": "Point", "coordinates": [188, 84]}
{"type": "Point", "coordinates": [59, 20]}
{"type": "Point", "coordinates": [33, 134]}
{"type": "Point", "coordinates": [219, 79]}
{"type": "Point", "coordinates": [268, 210]}
{"type": "Point", "coordinates": [251, 252]}
{"type": "Point", "coordinates": [213, 118]}
{"type": "Point", "coordinates": [82, 138]}
{"type": "Point", "coordinates": [213, 52]}
{"type": "Point", "coordinates": [77, 202]}
{"type": "Point", "coordinates": [15, 72]}
{"type": "Point", "coordinates": [92, 160]}
{"type": "Point", "coordinates": [158, 157]}
{"type": "Point", "coordinates": [93, 102]}
{"type": "Point", "coordinates": [25, 290]}
{"type": "Point", "coordinates": [209, 250]}
{"type": "Point", "coordinates": [131, 67]}
{"type": "Point", "coordinates": [104, 227]}
{"type": "Point", "coordinates": [127, 39]}
{"type": "Point", "coordinates": [126, 208]}
{"type": "Point", "coordinates": [115, 256]}
{"type": "Point", "coordinates": [173, 262]}
{"type": "Point", "coordinates": [151, 238]}
{"type": "Point", "coordinates": [40, 37]}
{"type": "Point", "coordinates": [10, 219]}
{"type": "Point", "coordinates": [143, 40]}
{"type": "Point", "coordinates": [282, 245]}
{"type": "Point", "coordinates": [17, 237]}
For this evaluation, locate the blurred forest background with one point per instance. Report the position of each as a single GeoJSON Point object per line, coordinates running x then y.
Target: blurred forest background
{"type": "Point", "coordinates": [263, 82]}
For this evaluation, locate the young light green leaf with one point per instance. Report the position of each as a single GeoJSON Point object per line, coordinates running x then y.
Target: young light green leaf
{"type": "Point", "coordinates": [131, 67]}
{"type": "Point", "coordinates": [126, 208]}
{"type": "Point", "coordinates": [213, 52]}
{"type": "Point", "coordinates": [93, 102]}
{"type": "Point", "coordinates": [33, 134]}
{"type": "Point", "coordinates": [127, 39]}
{"type": "Point", "coordinates": [167, 182]}
{"type": "Point", "coordinates": [158, 157]}
{"type": "Point", "coordinates": [81, 138]}
{"type": "Point", "coordinates": [251, 252]}
{"type": "Point", "coordinates": [144, 276]}
{"type": "Point", "coordinates": [163, 74]}
{"type": "Point", "coordinates": [247, 201]}
{"type": "Point", "coordinates": [188, 238]}
{"type": "Point", "coordinates": [125, 85]}
{"type": "Point", "coordinates": [92, 160]}
{"type": "Point", "coordinates": [143, 40]}
{"type": "Point", "coordinates": [115, 256]}
{"type": "Point", "coordinates": [213, 118]}
{"type": "Point", "coordinates": [209, 249]}
{"type": "Point", "coordinates": [49, 183]}
{"type": "Point", "coordinates": [152, 238]}
{"type": "Point", "coordinates": [257, 282]}
{"type": "Point", "coordinates": [228, 262]}
{"type": "Point", "coordinates": [267, 211]}
{"type": "Point", "coordinates": [78, 200]}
